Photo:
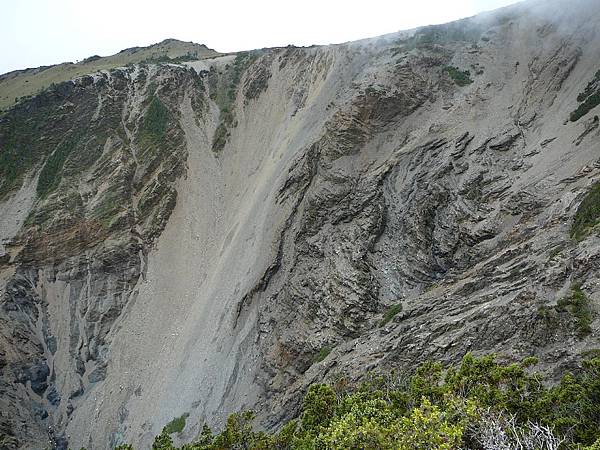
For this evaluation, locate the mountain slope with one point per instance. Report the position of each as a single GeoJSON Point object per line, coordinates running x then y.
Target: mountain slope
{"type": "Point", "coordinates": [195, 238]}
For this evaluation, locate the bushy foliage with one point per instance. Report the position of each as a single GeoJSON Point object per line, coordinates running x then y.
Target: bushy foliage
{"type": "Point", "coordinates": [578, 305]}
{"type": "Point", "coordinates": [163, 441]}
{"type": "Point", "coordinates": [176, 425]}
{"type": "Point", "coordinates": [460, 77]}
{"type": "Point", "coordinates": [156, 120]}
{"type": "Point", "coordinates": [481, 404]}
{"type": "Point", "coordinates": [594, 446]}
{"type": "Point", "coordinates": [585, 107]}
{"type": "Point", "coordinates": [319, 407]}
{"type": "Point", "coordinates": [154, 127]}
{"type": "Point", "coordinates": [588, 213]}
{"type": "Point", "coordinates": [590, 88]}
{"type": "Point", "coordinates": [222, 131]}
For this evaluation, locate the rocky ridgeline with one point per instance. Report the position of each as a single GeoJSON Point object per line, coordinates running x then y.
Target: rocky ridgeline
{"type": "Point", "coordinates": [415, 198]}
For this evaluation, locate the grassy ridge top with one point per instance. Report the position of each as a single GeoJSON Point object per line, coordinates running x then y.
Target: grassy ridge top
{"type": "Point", "coordinates": [26, 82]}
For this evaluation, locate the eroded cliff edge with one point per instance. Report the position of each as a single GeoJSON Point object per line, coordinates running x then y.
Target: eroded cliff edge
{"type": "Point", "coordinates": [202, 237]}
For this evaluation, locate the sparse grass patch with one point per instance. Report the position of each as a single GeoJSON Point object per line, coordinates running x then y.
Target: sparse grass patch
{"type": "Point", "coordinates": [20, 145]}
{"type": "Point", "coordinates": [322, 354]}
{"type": "Point", "coordinates": [548, 314]}
{"type": "Point", "coordinates": [51, 173]}
{"type": "Point", "coordinates": [14, 161]}
{"type": "Point", "coordinates": [460, 77]}
{"type": "Point", "coordinates": [221, 136]}
{"type": "Point", "coordinates": [109, 208]}
{"type": "Point", "coordinates": [390, 314]}
{"type": "Point", "coordinates": [156, 120]}
{"type": "Point", "coordinates": [588, 214]}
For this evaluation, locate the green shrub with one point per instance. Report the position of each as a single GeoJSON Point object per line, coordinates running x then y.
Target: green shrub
{"type": "Point", "coordinates": [460, 77]}
{"type": "Point", "coordinates": [318, 407]}
{"type": "Point", "coordinates": [588, 104]}
{"type": "Point", "coordinates": [156, 120]}
{"type": "Point", "coordinates": [163, 441]}
{"type": "Point", "coordinates": [578, 305]}
{"type": "Point", "coordinates": [588, 213]}
{"type": "Point", "coordinates": [390, 314]}
{"type": "Point", "coordinates": [176, 425]}
{"type": "Point", "coordinates": [222, 132]}
{"type": "Point", "coordinates": [573, 406]}
{"type": "Point", "coordinates": [594, 446]}
{"type": "Point", "coordinates": [429, 427]}
{"type": "Point", "coordinates": [238, 434]}
{"type": "Point", "coordinates": [590, 88]}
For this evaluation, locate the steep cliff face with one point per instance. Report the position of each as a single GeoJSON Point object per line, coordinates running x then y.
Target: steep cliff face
{"type": "Point", "coordinates": [207, 236]}
{"type": "Point", "coordinates": [89, 170]}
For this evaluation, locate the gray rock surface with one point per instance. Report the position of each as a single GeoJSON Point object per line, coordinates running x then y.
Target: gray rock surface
{"type": "Point", "coordinates": [166, 275]}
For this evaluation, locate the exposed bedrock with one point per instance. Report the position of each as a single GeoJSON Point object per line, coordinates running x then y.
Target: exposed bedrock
{"type": "Point", "coordinates": [202, 237]}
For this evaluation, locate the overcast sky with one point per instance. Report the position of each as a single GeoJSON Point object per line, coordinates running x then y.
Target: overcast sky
{"type": "Point", "coordinates": [42, 32]}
